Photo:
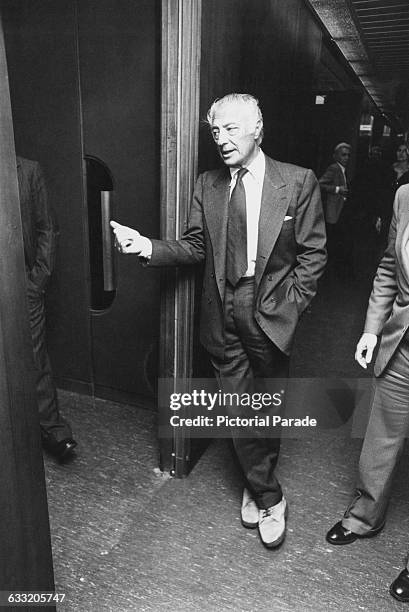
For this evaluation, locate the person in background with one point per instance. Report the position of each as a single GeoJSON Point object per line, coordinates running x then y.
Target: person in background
{"type": "Point", "coordinates": [258, 225]}
{"type": "Point", "coordinates": [400, 167]}
{"type": "Point", "coordinates": [40, 234]}
{"type": "Point", "coordinates": [334, 185]}
{"type": "Point", "coordinates": [387, 316]}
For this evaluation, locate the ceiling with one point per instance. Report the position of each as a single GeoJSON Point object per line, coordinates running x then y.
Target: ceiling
{"type": "Point", "coordinates": [373, 36]}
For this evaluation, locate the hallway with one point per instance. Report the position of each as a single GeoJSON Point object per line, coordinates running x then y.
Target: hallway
{"type": "Point", "coordinates": [126, 537]}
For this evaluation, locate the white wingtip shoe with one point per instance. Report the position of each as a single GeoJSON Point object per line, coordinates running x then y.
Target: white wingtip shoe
{"type": "Point", "coordinates": [249, 511]}
{"type": "Point", "coordinates": [271, 524]}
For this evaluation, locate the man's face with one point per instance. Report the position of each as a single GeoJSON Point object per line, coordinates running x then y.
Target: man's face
{"type": "Point", "coordinates": [235, 130]}
{"type": "Point", "coordinates": [402, 153]}
{"type": "Point", "coordinates": [342, 156]}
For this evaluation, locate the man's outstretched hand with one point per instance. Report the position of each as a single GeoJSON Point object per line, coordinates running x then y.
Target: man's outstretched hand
{"type": "Point", "coordinates": [128, 240]}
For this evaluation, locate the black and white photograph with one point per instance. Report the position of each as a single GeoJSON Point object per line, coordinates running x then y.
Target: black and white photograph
{"type": "Point", "coordinates": [204, 320]}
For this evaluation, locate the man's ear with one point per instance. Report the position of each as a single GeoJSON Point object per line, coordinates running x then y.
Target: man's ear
{"type": "Point", "coordinates": [257, 129]}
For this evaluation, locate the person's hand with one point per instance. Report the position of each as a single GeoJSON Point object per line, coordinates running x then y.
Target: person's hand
{"type": "Point", "coordinates": [343, 190]}
{"type": "Point", "coordinates": [365, 348]}
{"type": "Point", "coordinates": [127, 240]}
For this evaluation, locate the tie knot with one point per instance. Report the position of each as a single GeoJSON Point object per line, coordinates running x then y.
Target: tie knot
{"type": "Point", "coordinates": [240, 174]}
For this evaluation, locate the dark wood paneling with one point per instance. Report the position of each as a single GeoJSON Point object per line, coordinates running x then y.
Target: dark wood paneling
{"type": "Point", "coordinates": [25, 559]}
{"type": "Point", "coordinates": [220, 70]}
{"type": "Point", "coordinates": [270, 49]}
{"type": "Point", "coordinates": [282, 43]}
{"type": "Point", "coordinates": [119, 60]}
{"type": "Point", "coordinates": [41, 54]}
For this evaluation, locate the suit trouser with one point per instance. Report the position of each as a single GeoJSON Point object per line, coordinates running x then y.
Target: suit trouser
{"type": "Point", "coordinates": [51, 423]}
{"type": "Point", "coordinates": [249, 358]}
{"type": "Point", "coordinates": [384, 439]}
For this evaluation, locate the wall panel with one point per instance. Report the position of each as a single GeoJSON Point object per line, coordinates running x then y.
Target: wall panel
{"type": "Point", "coordinates": [41, 55]}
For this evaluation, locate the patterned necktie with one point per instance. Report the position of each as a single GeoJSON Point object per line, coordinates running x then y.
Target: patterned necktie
{"type": "Point", "coordinates": [236, 254]}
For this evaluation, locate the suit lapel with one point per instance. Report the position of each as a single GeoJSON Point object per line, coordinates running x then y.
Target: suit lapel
{"type": "Point", "coordinates": [274, 204]}
{"type": "Point", "coordinates": [216, 211]}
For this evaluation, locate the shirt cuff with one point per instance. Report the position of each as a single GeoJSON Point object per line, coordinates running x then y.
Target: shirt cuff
{"type": "Point", "coordinates": [146, 250]}
{"type": "Point", "coordinates": [337, 189]}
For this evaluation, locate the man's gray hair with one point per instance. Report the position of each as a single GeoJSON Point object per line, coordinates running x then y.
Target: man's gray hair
{"type": "Point", "coordinates": [342, 145]}
{"type": "Point", "coordinates": [239, 98]}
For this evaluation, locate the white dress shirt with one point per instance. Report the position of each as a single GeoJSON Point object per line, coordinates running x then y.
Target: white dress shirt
{"type": "Point", "coordinates": [253, 185]}
{"type": "Point", "coordinates": [345, 179]}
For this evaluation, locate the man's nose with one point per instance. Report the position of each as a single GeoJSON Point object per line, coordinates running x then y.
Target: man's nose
{"type": "Point", "coordinates": [223, 138]}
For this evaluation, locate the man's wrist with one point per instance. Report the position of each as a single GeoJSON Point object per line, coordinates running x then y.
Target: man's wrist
{"type": "Point", "coordinates": [370, 333]}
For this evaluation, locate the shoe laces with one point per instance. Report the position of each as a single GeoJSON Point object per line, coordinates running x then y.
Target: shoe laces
{"type": "Point", "coordinates": [269, 513]}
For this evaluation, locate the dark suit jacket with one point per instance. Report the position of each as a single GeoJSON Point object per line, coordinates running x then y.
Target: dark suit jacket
{"type": "Point", "coordinates": [388, 310]}
{"type": "Point", "coordinates": [40, 230]}
{"type": "Point", "coordinates": [333, 202]}
{"type": "Point", "coordinates": [291, 251]}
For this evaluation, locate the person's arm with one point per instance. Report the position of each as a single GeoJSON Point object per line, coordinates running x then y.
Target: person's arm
{"type": "Point", "coordinates": [328, 182]}
{"type": "Point", "coordinates": [310, 236]}
{"type": "Point", "coordinates": [190, 249]}
{"type": "Point", "coordinates": [46, 230]}
{"type": "Point", "coordinates": [382, 298]}
{"type": "Point", "coordinates": [385, 287]}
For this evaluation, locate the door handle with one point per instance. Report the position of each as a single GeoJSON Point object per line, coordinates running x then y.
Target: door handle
{"type": "Point", "coordinates": [107, 245]}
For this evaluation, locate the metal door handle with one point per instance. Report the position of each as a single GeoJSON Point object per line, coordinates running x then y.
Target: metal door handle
{"type": "Point", "coordinates": [107, 247]}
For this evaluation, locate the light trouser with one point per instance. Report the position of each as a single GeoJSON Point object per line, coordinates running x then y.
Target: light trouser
{"type": "Point", "coordinates": [384, 439]}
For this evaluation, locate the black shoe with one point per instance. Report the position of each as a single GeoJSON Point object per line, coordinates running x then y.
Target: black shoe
{"type": "Point", "coordinates": [62, 449]}
{"type": "Point", "coordinates": [399, 588]}
{"type": "Point", "coordinates": [339, 535]}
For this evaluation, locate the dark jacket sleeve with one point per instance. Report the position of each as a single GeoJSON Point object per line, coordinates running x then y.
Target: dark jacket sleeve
{"type": "Point", "coordinates": [328, 180]}
{"type": "Point", "coordinates": [46, 230]}
{"type": "Point", "coordinates": [190, 249]}
{"type": "Point", "coordinates": [310, 236]}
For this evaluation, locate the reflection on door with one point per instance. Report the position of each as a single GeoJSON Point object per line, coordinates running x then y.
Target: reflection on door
{"type": "Point", "coordinates": [101, 256]}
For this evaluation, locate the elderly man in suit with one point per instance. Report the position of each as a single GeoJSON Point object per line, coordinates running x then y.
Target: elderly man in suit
{"type": "Point", "coordinates": [258, 225]}
{"type": "Point", "coordinates": [388, 314]}
{"type": "Point", "coordinates": [334, 186]}
{"type": "Point", "coordinates": [40, 235]}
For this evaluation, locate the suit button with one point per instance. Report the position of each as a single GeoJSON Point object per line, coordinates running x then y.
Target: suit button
{"type": "Point", "coordinates": [212, 275]}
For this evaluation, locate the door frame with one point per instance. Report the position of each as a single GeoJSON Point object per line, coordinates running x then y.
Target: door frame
{"type": "Point", "coordinates": [180, 87]}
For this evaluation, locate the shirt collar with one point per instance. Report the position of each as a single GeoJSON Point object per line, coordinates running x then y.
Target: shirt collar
{"type": "Point", "coordinates": [342, 167]}
{"type": "Point", "coordinates": [256, 168]}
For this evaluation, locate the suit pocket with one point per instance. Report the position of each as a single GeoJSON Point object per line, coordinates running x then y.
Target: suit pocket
{"type": "Point", "coordinates": [284, 292]}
